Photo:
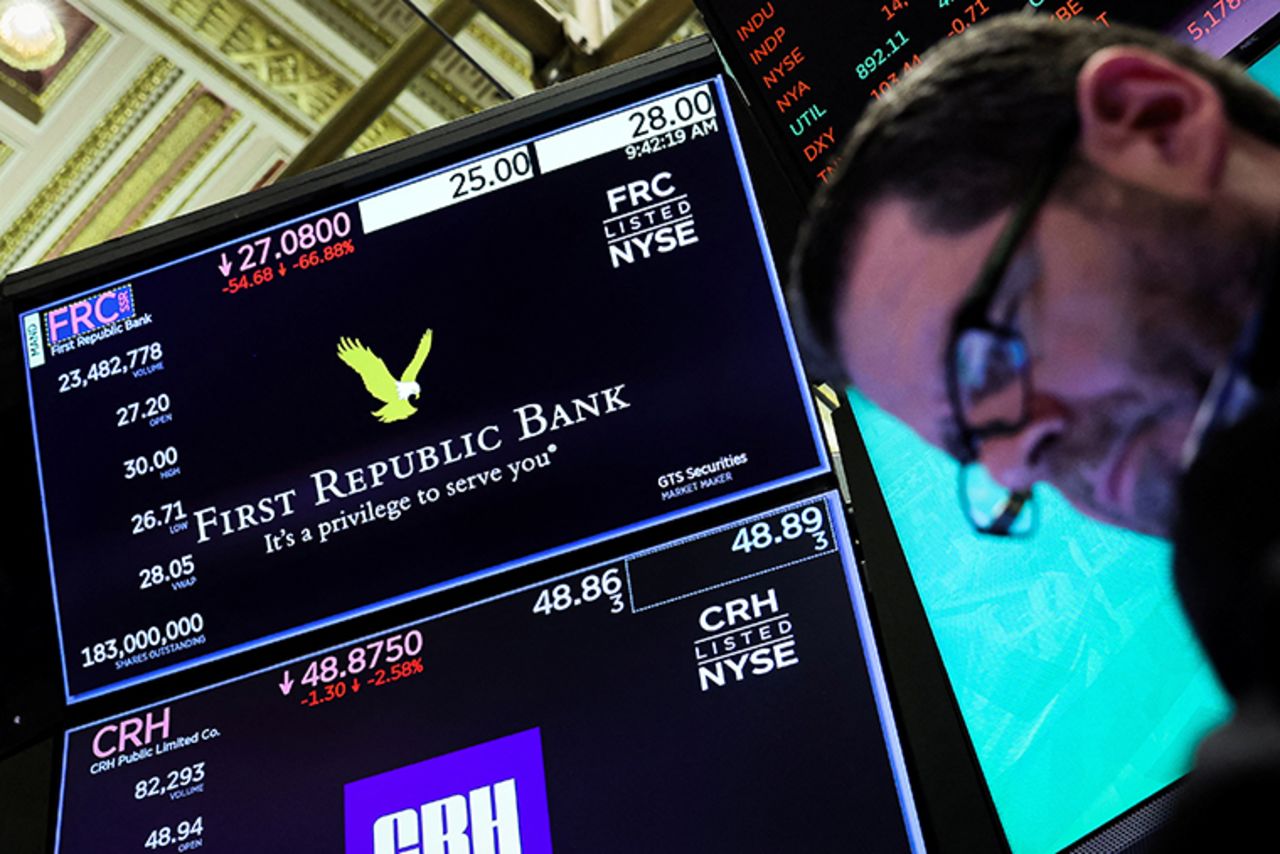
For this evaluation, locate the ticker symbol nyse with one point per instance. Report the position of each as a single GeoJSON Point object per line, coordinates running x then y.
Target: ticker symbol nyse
{"type": "Point", "coordinates": [647, 218]}
{"type": "Point", "coordinates": [746, 637]}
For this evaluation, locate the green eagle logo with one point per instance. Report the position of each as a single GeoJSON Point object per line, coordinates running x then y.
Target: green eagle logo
{"type": "Point", "coordinates": [379, 382]}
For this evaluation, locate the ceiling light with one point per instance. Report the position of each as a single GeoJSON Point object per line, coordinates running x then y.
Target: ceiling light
{"type": "Point", "coordinates": [31, 36]}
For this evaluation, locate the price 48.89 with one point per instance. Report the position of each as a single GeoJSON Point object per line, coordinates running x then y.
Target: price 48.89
{"type": "Point", "coordinates": [791, 526]}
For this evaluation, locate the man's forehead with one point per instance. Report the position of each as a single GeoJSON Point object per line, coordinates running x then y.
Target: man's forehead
{"type": "Point", "coordinates": [901, 286]}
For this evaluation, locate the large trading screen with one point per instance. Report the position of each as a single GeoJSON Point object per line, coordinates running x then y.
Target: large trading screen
{"type": "Point", "coordinates": [383, 397]}
{"type": "Point", "coordinates": [810, 68]}
{"type": "Point", "coordinates": [720, 692]}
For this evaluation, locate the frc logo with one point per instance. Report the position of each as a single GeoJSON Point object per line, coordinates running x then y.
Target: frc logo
{"type": "Point", "coordinates": [89, 315]}
{"type": "Point", "coordinates": [487, 799]}
{"type": "Point", "coordinates": [380, 382]}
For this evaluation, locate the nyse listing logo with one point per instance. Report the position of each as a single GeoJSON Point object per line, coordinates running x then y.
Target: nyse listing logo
{"type": "Point", "coordinates": [647, 218]}
{"type": "Point", "coordinates": [745, 638]}
{"type": "Point", "coordinates": [486, 799]}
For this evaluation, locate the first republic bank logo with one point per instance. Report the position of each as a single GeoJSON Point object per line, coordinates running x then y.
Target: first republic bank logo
{"type": "Point", "coordinates": [486, 799]}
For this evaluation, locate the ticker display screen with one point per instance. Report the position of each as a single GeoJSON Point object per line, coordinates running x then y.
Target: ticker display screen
{"type": "Point", "coordinates": [644, 704]}
{"type": "Point", "coordinates": [326, 416]}
{"type": "Point", "coordinates": [809, 69]}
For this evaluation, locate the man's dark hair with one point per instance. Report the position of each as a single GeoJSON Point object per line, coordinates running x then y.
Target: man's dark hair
{"type": "Point", "coordinates": [961, 137]}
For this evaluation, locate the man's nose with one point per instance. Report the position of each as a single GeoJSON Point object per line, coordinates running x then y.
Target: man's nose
{"type": "Point", "coordinates": [1018, 460]}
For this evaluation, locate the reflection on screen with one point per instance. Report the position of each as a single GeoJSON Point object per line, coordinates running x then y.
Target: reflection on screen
{"type": "Point", "coordinates": [1080, 682]}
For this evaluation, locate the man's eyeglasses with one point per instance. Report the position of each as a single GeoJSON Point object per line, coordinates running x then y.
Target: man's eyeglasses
{"type": "Point", "coordinates": [988, 370]}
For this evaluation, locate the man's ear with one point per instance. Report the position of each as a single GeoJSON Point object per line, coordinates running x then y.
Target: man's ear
{"type": "Point", "coordinates": [1149, 121]}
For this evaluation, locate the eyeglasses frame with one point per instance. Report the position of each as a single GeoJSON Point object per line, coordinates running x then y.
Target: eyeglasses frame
{"type": "Point", "coordinates": [973, 314]}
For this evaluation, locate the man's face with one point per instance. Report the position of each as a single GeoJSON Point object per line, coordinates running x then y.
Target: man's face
{"type": "Point", "coordinates": [1127, 306]}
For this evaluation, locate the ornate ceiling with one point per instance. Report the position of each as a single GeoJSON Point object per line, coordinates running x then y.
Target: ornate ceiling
{"type": "Point", "coordinates": [159, 107]}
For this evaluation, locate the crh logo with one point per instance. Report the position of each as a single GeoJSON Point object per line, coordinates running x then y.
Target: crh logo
{"type": "Point", "coordinates": [89, 314]}
{"type": "Point", "coordinates": [487, 799]}
{"type": "Point", "coordinates": [455, 825]}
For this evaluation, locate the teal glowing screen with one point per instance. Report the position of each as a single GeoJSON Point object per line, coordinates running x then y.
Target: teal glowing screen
{"type": "Point", "coordinates": [1080, 682]}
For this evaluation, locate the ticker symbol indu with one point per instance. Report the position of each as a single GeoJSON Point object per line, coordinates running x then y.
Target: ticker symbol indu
{"type": "Point", "coordinates": [379, 382]}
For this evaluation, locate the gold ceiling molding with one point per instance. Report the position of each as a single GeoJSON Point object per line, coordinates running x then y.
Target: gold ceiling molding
{"type": "Point", "coordinates": [462, 99]}
{"type": "Point", "coordinates": [277, 62]}
{"type": "Point", "coordinates": [352, 9]}
{"type": "Point", "coordinates": [109, 133]}
{"type": "Point", "coordinates": [34, 105]}
{"type": "Point", "coordinates": [179, 35]}
{"type": "Point", "coordinates": [353, 14]}
{"type": "Point", "coordinates": [366, 26]}
{"type": "Point", "coordinates": [374, 25]}
{"type": "Point", "coordinates": [500, 49]}
{"type": "Point", "coordinates": [369, 26]}
{"type": "Point", "coordinates": [386, 130]}
{"type": "Point", "coordinates": [183, 206]}
{"type": "Point", "coordinates": [169, 154]}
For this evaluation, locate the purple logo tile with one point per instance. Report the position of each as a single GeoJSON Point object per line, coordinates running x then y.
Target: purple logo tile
{"type": "Point", "coordinates": [486, 799]}
{"type": "Point", "coordinates": [90, 314]}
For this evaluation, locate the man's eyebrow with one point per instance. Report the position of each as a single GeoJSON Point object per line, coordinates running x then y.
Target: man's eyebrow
{"type": "Point", "coordinates": [1021, 279]}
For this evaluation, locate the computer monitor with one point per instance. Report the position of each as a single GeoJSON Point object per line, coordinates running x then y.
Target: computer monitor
{"type": "Point", "coordinates": [546, 327]}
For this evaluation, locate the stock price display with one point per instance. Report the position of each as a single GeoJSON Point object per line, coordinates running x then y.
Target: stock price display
{"type": "Point", "coordinates": [809, 69]}
{"type": "Point", "coordinates": [573, 711]}
{"type": "Point", "coordinates": [311, 421]}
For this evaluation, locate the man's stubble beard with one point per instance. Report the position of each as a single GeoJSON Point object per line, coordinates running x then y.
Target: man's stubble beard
{"type": "Point", "coordinates": [1193, 278]}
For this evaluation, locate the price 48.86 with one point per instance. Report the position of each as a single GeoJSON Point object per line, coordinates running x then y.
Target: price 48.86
{"type": "Point", "coordinates": [563, 596]}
